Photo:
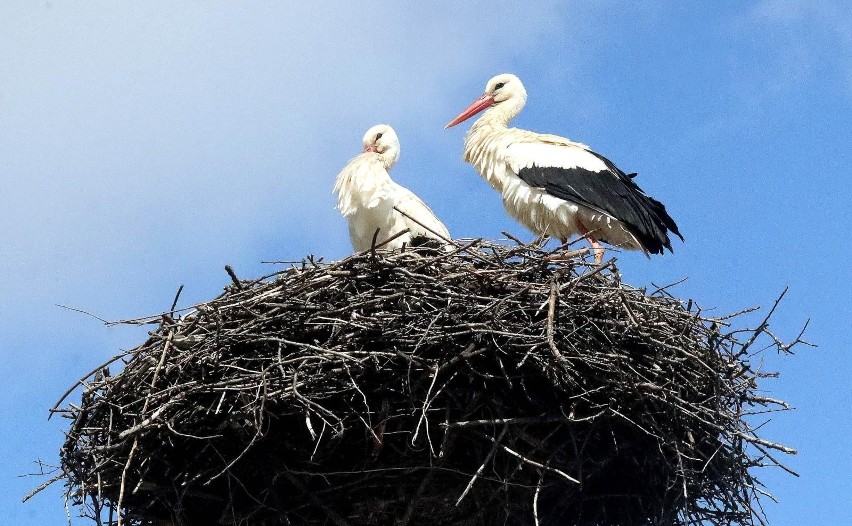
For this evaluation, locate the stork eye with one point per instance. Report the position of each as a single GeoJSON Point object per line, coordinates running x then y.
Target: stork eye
{"type": "Point", "coordinates": [378, 136]}
{"type": "Point", "coordinates": [499, 85]}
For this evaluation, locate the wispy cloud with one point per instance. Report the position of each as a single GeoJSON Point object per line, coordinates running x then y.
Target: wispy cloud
{"type": "Point", "coordinates": [799, 34]}
{"type": "Point", "coordinates": [135, 140]}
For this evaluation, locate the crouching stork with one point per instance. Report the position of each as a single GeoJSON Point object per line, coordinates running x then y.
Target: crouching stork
{"type": "Point", "coordinates": [372, 202]}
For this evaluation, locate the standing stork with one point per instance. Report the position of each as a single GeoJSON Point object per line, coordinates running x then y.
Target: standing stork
{"type": "Point", "coordinates": [557, 187]}
{"type": "Point", "coordinates": [367, 196]}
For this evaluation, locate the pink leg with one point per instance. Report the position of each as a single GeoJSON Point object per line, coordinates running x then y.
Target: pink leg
{"type": "Point", "coordinates": [597, 248]}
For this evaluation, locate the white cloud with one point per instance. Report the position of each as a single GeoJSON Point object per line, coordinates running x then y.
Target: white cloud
{"type": "Point", "coordinates": [136, 139]}
{"type": "Point", "coordinates": [799, 33]}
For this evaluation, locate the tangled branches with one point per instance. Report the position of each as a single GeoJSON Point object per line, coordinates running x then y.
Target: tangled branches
{"type": "Point", "coordinates": [491, 385]}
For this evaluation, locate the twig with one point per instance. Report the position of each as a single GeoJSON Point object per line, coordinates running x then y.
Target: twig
{"type": "Point", "coordinates": [177, 296]}
{"type": "Point", "coordinates": [482, 466]}
{"type": "Point", "coordinates": [83, 379]}
{"type": "Point", "coordinates": [762, 327]}
{"type": "Point", "coordinates": [234, 278]}
{"type": "Point", "coordinates": [430, 230]}
{"type": "Point", "coordinates": [551, 311]}
{"type": "Point", "coordinates": [82, 312]}
{"type": "Point", "coordinates": [44, 485]}
{"type": "Point", "coordinates": [331, 514]}
{"type": "Point", "coordinates": [532, 462]}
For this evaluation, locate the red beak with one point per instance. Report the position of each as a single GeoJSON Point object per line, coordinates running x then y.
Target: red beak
{"type": "Point", "coordinates": [371, 149]}
{"type": "Point", "coordinates": [478, 105]}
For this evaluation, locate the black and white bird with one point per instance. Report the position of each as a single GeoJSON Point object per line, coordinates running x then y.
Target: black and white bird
{"type": "Point", "coordinates": [367, 196]}
{"type": "Point", "coordinates": [558, 187]}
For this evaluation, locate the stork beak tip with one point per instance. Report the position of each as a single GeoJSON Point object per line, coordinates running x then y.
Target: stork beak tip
{"type": "Point", "coordinates": [478, 105]}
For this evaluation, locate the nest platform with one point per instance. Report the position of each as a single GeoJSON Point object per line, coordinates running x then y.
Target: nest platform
{"type": "Point", "coordinates": [494, 385]}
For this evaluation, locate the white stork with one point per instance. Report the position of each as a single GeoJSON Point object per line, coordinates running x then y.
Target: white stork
{"type": "Point", "coordinates": [557, 187]}
{"type": "Point", "coordinates": [366, 196]}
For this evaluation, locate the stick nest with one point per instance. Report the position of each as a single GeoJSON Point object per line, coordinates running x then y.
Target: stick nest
{"type": "Point", "coordinates": [492, 385]}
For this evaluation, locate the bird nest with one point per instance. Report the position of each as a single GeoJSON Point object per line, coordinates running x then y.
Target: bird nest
{"type": "Point", "coordinates": [490, 385]}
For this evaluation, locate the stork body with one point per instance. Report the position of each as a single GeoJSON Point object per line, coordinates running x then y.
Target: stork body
{"type": "Point", "coordinates": [558, 187]}
{"type": "Point", "coordinates": [367, 196]}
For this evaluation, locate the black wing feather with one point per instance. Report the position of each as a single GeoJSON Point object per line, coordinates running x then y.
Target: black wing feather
{"type": "Point", "coordinates": [615, 194]}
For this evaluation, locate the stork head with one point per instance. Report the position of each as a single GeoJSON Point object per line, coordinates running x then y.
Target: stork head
{"type": "Point", "coordinates": [505, 93]}
{"type": "Point", "coordinates": [382, 140]}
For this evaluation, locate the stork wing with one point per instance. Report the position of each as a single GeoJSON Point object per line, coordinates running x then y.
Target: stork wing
{"type": "Point", "coordinates": [572, 172]}
{"type": "Point", "coordinates": [362, 183]}
{"type": "Point", "coordinates": [414, 207]}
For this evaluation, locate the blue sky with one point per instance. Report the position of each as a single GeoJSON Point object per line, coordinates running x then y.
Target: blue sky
{"type": "Point", "coordinates": [145, 146]}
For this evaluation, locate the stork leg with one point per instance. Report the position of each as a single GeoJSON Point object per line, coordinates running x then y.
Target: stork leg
{"type": "Point", "coordinates": [597, 248]}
